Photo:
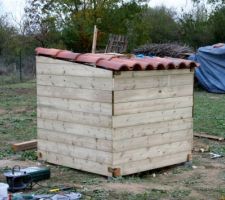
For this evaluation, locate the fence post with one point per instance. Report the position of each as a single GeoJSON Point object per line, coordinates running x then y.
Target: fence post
{"type": "Point", "coordinates": [20, 65]}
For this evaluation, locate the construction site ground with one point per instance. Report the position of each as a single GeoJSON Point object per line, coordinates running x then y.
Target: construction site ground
{"type": "Point", "coordinates": [204, 179]}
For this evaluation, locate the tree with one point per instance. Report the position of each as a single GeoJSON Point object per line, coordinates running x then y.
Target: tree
{"type": "Point", "coordinates": [195, 28]}
{"type": "Point", "coordinates": [217, 21]}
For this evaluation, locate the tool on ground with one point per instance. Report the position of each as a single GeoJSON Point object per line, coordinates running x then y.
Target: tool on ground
{"type": "Point", "coordinates": [66, 196]}
{"type": "Point", "coordinates": [20, 179]}
{"type": "Point", "coordinates": [61, 189]}
{"type": "Point", "coordinates": [215, 155]}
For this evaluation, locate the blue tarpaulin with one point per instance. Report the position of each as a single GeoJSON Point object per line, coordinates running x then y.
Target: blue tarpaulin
{"type": "Point", "coordinates": [211, 73]}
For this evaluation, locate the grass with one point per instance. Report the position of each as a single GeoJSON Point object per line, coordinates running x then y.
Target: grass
{"type": "Point", "coordinates": [209, 113]}
{"type": "Point", "coordinates": [18, 123]}
{"type": "Point", "coordinates": [17, 115]}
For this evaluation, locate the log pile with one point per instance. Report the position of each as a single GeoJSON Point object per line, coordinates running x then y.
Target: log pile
{"type": "Point", "coordinates": [164, 50]}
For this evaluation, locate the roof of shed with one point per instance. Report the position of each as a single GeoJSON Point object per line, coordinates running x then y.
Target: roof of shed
{"type": "Point", "coordinates": [118, 62]}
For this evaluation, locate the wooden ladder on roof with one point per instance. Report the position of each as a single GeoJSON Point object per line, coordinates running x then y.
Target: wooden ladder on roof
{"type": "Point", "coordinates": [116, 44]}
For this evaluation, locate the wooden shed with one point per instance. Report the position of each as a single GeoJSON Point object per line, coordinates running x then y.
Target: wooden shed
{"type": "Point", "coordinates": [95, 116]}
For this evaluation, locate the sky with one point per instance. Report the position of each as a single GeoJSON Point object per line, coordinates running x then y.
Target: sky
{"type": "Point", "coordinates": [15, 7]}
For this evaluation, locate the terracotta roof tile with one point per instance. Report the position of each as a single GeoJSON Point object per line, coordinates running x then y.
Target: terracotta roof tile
{"type": "Point", "coordinates": [67, 55]}
{"type": "Point", "coordinates": [116, 62]}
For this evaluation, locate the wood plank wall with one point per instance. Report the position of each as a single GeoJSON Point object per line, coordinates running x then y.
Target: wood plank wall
{"type": "Point", "coordinates": [152, 119]}
{"type": "Point", "coordinates": [74, 115]}
{"type": "Point", "coordinates": [91, 119]}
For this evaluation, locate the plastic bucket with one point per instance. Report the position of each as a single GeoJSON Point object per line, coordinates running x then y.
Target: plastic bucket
{"type": "Point", "coordinates": [3, 191]}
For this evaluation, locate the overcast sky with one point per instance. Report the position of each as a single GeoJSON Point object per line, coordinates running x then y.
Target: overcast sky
{"type": "Point", "coordinates": [16, 6]}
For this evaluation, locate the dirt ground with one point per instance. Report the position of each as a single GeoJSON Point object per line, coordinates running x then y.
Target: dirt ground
{"type": "Point", "coordinates": [203, 179]}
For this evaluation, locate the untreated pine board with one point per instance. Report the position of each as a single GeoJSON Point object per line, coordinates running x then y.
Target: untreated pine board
{"type": "Point", "coordinates": [49, 66]}
{"type": "Point", "coordinates": [80, 164]}
{"type": "Point", "coordinates": [152, 105]}
{"type": "Point", "coordinates": [152, 81]}
{"type": "Point", "coordinates": [152, 163]}
{"type": "Point", "coordinates": [151, 117]}
{"type": "Point", "coordinates": [151, 152]}
{"type": "Point", "coordinates": [152, 93]}
{"type": "Point", "coordinates": [76, 140]}
{"type": "Point", "coordinates": [32, 144]}
{"type": "Point", "coordinates": [130, 74]}
{"type": "Point", "coordinates": [208, 136]}
{"type": "Point", "coordinates": [72, 93]}
{"type": "Point", "coordinates": [152, 140]}
{"type": "Point", "coordinates": [75, 151]}
{"type": "Point", "coordinates": [76, 82]}
{"type": "Point", "coordinates": [152, 128]}
{"type": "Point", "coordinates": [74, 116]}
{"type": "Point", "coordinates": [75, 105]}
{"type": "Point", "coordinates": [75, 129]}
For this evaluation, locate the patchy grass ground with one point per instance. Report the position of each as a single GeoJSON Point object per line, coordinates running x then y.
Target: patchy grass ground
{"type": "Point", "coordinates": [209, 113]}
{"type": "Point", "coordinates": [205, 181]}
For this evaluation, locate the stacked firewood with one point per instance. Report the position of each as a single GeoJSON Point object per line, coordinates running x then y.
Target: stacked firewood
{"type": "Point", "coordinates": [164, 50]}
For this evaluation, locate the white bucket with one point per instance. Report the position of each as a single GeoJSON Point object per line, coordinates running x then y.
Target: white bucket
{"type": "Point", "coordinates": [3, 191]}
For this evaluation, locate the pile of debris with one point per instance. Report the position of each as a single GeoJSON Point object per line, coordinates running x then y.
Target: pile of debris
{"type": "Point", "coordinates": [174, 50]}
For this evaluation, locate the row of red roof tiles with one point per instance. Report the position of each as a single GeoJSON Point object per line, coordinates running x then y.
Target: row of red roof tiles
{"type": "Point", "coordinates": [118, 62]}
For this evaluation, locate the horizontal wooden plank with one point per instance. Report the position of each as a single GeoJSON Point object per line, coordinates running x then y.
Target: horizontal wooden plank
{"type": "Point", "coordinates": [151, 117]}
{"type": "Point", "coordinates": [152, 128]}
{"type": "Point", "coordinates": [76, 140]}
{"type": "Point", "coordinates": [152, 140]}
{"type": "Point", "coordinates": [153, 81]}
{"type": "Point", "coordinates": [52, 66]}
{"type": "Point", "coordinates": [32, 144]}
{"type": "Point", "coordinates": [151, 152]}
{"type": "Point", "coordinates": [76, 105]}
{"type": "Point", "coordinates": [74, 116]}
{"type": "Point", "coordinates": [76, 82]}
{"type": "Point", "coordinates": [208, 136]}
{"type": "Point", "coordinates": [72, 93]}
{"type": "Point", "coordinates": [152, 93]}
{"type": "Point", "coordinates": [76, 163]}
{"type": "Point", "coordinates": [75, 129]}
{"type": "Point", "coordinates": [130, 74]}
{"type": "Point", "coordinates": [75, 151]}
{"type": "Point", "coordinates": [153, 163]}
{"type": "Point", "coordinates": [152, 105]}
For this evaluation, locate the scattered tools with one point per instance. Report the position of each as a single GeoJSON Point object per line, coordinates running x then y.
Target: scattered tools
{"type": "Point", "coordinates": [20, 179]}
{"type": "Point", "coordinates": [66, 196]}
{"type": "Point", "coordinates": [215, 155]}
{"type": "Point", "coordinates": [61, 189]}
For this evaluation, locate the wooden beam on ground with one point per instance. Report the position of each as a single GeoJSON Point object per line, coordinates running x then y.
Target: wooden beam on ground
{"type": "Point", "coordinates": [212, 137]}
{"type": "Point", "coordinates": [32, 144]}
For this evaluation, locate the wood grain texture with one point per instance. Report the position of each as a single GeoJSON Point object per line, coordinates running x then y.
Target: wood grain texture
{"type": "Point", "coordinates": [27, 145]}
{"type": "Point", "coordinates": [75, 151]}
{"type": "Point", "coordinates": [152, 82]}
{"type": "Point", "coordinates": [77, 94]}
{"type": "Point", "coordinates": [151, 117]}
{"type": "Point", "coordinates": [76, 163]}
{"type": "Point", "coordinates": [75, 129]}
{"type": "Point", "coordinates": [152, 128]}
{"type": "Point", "coordinates": [152, 93]}
{"type": "Point", "coordinates": [50, 66]}
{"type": "Point", "coordinates": [130, 74]}
{"type": "Point", "coordinates": [152, 140]}
{"type": "Point", "coordinates": [75, 105]}
{"type": "Point", "coordinates": [153, 163]}
{"type": "Point", "coordinates": [74, 116]}
{"type": "Point", "coordinates": [94, 83]}
{"type": "Point", "coordinates": [151, 152]}
{"type": "Point", "coordinates": [76, 140]}
{"type": "Point", "coordinates": [152, 105]}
